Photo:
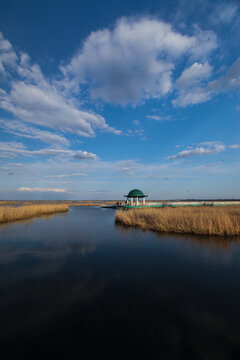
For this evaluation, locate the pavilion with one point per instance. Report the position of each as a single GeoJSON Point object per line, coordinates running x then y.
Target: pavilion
{"type": "Point", "coordinates": [134, 198]}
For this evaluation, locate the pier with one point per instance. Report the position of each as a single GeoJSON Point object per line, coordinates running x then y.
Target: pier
{"type": "Point", "coordinates": [136, 199]}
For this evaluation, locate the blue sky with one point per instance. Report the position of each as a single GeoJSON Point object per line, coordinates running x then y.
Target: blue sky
{"type": "Point", "coordinates": [99, 97]}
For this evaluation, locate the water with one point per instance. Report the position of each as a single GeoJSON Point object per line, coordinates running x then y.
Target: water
{"type": "Point", "coordinates": [77, 285]}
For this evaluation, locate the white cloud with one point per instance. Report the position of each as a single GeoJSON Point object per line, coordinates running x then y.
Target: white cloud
{"type": "Point", "coordinates": [135, 59]}
{"type": "Point", "coordinates": [18, 165]}
{"type": "Point", "coordinates": [8, 57]}
{"type": "Point", "coordinates": [48, 107]}
{"type": "Point", "coordinates": [136, 122]}
{"type": "Point", "coordinates": [225, 13]}
{"type": "Point", "coordinates": [209, 149]}
{"type": "Point", "coordinates": [81, 155]}
{"type": "Point", "coordinates": [158, 118]}
{"type": "Point", "coordinates": [228, 82]}
{"type": "Point", "coordinates": [234, 146]}
{"type": "Point", "coordinates": [14, 150]}
{"type": "Point", "coordinates": [60, 176]}
{"type": "Point", "coordinates": [29, 189]}
{"type": "Point", "coordinates": [107, 175]}
{"type": "Point", "coordinates": [194, 74]}
{"type": "Point", "coordinates": [204, 42]}
{"type": "Point", "coordinates": [98, 192]}
{"type": "Point", "coordinates": [127, 167]}
{"type": "Point", "coordinates": [127, 170]}
{"type": "Point", "coordinates": [193, 96]}
{"type": "Point", "coordinates": [10, 149]}
{"type": "Point", "coordinates": [35, 99]}
{"type": "Point", "coordinates": [199, 94]}
{"type": "Point", "coordinates": [18, 128]}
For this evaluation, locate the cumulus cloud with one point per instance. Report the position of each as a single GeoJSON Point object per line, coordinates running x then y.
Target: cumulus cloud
{"type": "Point", "coordinates": [209, 149]}
{"type": "Point", "coordinates": [36, 189]}
{"type": "Point", "coordinates": [35, 99]}
{"type": "Point", "coordinates": [194, 74]}
{"type": "Point", "coordinates": [135, 59]}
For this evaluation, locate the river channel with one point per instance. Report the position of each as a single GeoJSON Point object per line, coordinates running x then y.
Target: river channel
{"type": "Point", "coordinates": [76, 285]}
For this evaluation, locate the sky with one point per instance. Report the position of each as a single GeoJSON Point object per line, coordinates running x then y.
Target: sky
{"type": "Point", "coordinates": [100, 97]}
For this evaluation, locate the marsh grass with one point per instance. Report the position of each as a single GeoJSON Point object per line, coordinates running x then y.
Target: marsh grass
{"type": "Point", "coordinates": [9, 213]}
{"type": "Point", "coordinates": [203, 221]}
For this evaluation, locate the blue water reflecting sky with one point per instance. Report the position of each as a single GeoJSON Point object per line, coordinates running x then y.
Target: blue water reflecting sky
{"type": "Point", "coordinates": [77, 281]}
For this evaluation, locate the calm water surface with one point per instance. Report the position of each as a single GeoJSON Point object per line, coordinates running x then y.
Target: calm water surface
{"type": "Point", "coordinates": [77, 285]}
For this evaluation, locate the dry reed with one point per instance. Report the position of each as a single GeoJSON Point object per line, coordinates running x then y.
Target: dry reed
{"type": "Point", "coordinates": [9, 213]}
{"type": "Point", "coordinates": [203, 221]}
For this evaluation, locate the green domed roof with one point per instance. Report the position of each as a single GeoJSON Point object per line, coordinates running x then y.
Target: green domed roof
{"type": "Point", "coordinates": [135, 193]}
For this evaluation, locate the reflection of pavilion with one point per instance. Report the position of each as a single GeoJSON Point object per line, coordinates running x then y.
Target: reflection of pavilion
{"type": "Point", "coordinates": [134, 196]}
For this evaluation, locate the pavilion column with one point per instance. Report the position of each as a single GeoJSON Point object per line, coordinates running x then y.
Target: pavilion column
{"type": "Point", "coordinates": [131, 201]}
{"type": "Point", "coordinates": [137, 201]}
{"type": "Point", "coordinates": [144, 201]}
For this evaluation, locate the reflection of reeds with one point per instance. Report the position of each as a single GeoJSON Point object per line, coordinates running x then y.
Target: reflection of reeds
{"type": "Point", "coordinates": [8, 213]}
{"type": "Point", "coordinates": [204, 221]}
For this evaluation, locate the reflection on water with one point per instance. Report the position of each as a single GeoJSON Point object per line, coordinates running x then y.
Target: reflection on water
{"type": "Point", "coordinates": [203, 240]}
{"type": "Point", "coordinates": [76, 284]}
{"type": "Point", "coordinates": [20, 222]}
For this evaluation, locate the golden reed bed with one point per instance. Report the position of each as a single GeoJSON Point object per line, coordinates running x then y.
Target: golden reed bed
{"type": "Point", "coordinates": [10, 213]}
{"type": "Point", "coordinates": [203, 221]}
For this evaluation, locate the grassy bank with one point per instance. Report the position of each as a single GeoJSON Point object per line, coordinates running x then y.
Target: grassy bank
{"type": "Point", "coordinates": [203, 221]}
{"type": "Point", "coordinates": [9, 213]}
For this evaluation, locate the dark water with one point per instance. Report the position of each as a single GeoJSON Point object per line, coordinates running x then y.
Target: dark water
{"type": "Point", "coordinates": [76, 285]}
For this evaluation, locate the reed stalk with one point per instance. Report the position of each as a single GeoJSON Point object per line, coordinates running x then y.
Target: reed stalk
{"type": "Point", "coordinates": [224, 221]}
{"type": "Point", "coordinates": [10, 213]}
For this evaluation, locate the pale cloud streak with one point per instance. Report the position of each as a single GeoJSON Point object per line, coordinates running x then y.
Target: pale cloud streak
{"type": "Point", "coordinates": [8, 57]}
{"type": "Point", "coordinates": [158, 118]}
{"type": "Point", "coordinates": [225, 13]}
{"type": "Point", "coordinates": [15, 149]}
{"type": "Point", "coordinates": [234, 146]}
{"type": "Point", "coordinates": [21, 129]}
{"type": "Point", "coordinates": [60, 176]}
{"type": "Point", "coordinates": [36, 189]}
{"type": "Point", "coordinates": [209, 149]}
